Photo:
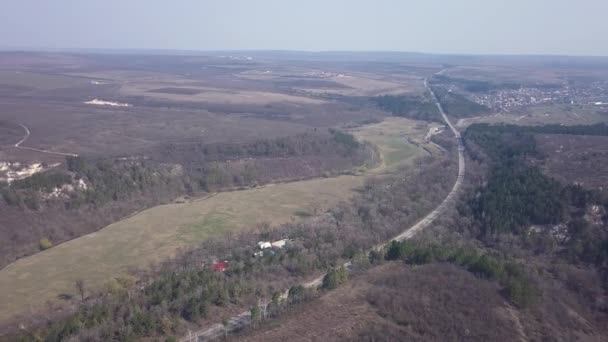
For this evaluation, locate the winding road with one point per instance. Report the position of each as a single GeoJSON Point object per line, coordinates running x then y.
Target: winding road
{"type": "Point", "coordinates": [27, 135]}
{"type": "Point", "coordinates": [243, 319]}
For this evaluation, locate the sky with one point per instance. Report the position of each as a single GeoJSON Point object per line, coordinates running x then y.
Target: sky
{"type": "Point", "coordinates": [564, 27]}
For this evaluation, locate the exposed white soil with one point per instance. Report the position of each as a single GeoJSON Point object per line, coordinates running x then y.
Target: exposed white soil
{"type": "Point", "coordinates": [11, 171]}
{"type": "Point", "coordinates": [98, 102]}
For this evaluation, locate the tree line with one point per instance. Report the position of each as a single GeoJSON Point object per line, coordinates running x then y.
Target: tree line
{"type": "Point", "coordinates": [199, 167]}
{"type": "Point", "coordinates": [599, 129]}
{"type": "Point", "coordinates": [411, 107]}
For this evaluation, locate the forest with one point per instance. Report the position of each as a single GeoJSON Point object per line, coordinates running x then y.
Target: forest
{"type": "Point", "coordinates": [600, 129]}
{"type": "Point", "coordinates": [417, 108]}
{"type": "Point", "coordinates": [517, 194]}
{"type": "Point", "coordinates": [332, 142]}
{"type": "Point", "coordinates": [192, 166]}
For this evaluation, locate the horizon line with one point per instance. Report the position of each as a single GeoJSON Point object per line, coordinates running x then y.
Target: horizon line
{"type": "Point", "coordinates": [301, 51]}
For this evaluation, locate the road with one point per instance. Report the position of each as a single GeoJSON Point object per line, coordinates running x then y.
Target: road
{"type": "Point", "coordinates": [428, 219]}
{"type": "Point", "coordinates": [27, 135]}
{"type": "Point", "coordinates": [219, 330]}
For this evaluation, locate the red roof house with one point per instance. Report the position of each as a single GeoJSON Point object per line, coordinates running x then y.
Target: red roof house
{"type": "Point", "coordinates": [220, 266]}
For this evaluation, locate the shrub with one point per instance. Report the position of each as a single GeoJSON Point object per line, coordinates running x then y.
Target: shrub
{"type": "Point", "coordinates": [486, 267]}
{"type": "Point", "coordinates": [520, 292]}
{"type": "Point", "coordinates": [334, 278]}
{"type": "Point", "coordinates": [398, 250]}
{"type": "Point", "coordinates": [45, 243]}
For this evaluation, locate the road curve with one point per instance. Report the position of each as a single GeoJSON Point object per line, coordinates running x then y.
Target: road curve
{"type": "Point", "coordinates": [27, 135]}
{"type": "Point", "coordinates": [243, 319]}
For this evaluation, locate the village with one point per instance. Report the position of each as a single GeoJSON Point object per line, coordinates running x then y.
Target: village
{"type": "Point", "coordinates": [508, 100]}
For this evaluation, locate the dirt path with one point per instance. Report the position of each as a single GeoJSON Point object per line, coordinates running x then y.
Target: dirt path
{"type": "Point", "coordinates": [27, 135]}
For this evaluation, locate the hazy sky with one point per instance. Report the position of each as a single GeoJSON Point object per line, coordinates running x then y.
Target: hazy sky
{"type": "Point", "coordinates": [448, 26]}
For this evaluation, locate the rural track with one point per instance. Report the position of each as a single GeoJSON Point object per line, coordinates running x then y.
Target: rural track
{"type": "Point", "coordinates": [243, 319]}
{"type": "Point", "coordinates": [27, 135]}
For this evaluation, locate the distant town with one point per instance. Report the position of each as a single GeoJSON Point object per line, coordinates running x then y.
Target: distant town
{"type": "Point", "coordinates": [507, 100]}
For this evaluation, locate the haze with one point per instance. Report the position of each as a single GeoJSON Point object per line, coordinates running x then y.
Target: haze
{"type": "Point", "coordinates": [437, 26]}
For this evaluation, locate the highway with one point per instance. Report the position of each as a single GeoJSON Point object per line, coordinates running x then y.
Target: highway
{"type": "Point", "coordinates": [237, 322]}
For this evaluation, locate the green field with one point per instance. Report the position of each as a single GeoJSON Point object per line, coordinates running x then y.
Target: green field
{"type": "Point", "coordinates": [394, 137]}
{"type": "Point", "coordinates": [157, 233]}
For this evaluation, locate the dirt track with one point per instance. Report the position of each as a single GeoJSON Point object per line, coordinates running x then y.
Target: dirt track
{"type": "Point", "coordinates": [27, 135]}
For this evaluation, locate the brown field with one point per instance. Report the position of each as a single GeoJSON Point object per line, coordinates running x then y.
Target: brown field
{"type": "Point", "coordinates": [174, 98]}
{"type": "Point", "coordinates": [86, 129]}
{"type": "Point", "coordinates": [180, 91]}
{"type": "Point", "coordinates": [212, 95]}
{"type": "Point", "coordinates": [506, 74]}
{"type": "Point", "coordinates": [339, 82]}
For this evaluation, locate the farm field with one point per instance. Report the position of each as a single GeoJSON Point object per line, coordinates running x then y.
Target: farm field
{"type": "Point", "coordinates": [157, 233]}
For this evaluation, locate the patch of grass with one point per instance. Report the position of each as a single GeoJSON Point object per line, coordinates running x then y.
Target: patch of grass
{"type": "Point", "coordinates": [213, 223]}
{"type": "Point", "coordinates": [399, 151]}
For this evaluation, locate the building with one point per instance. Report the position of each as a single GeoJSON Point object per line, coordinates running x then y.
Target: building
{"type": "Point", "coordinates": [220, 266]}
